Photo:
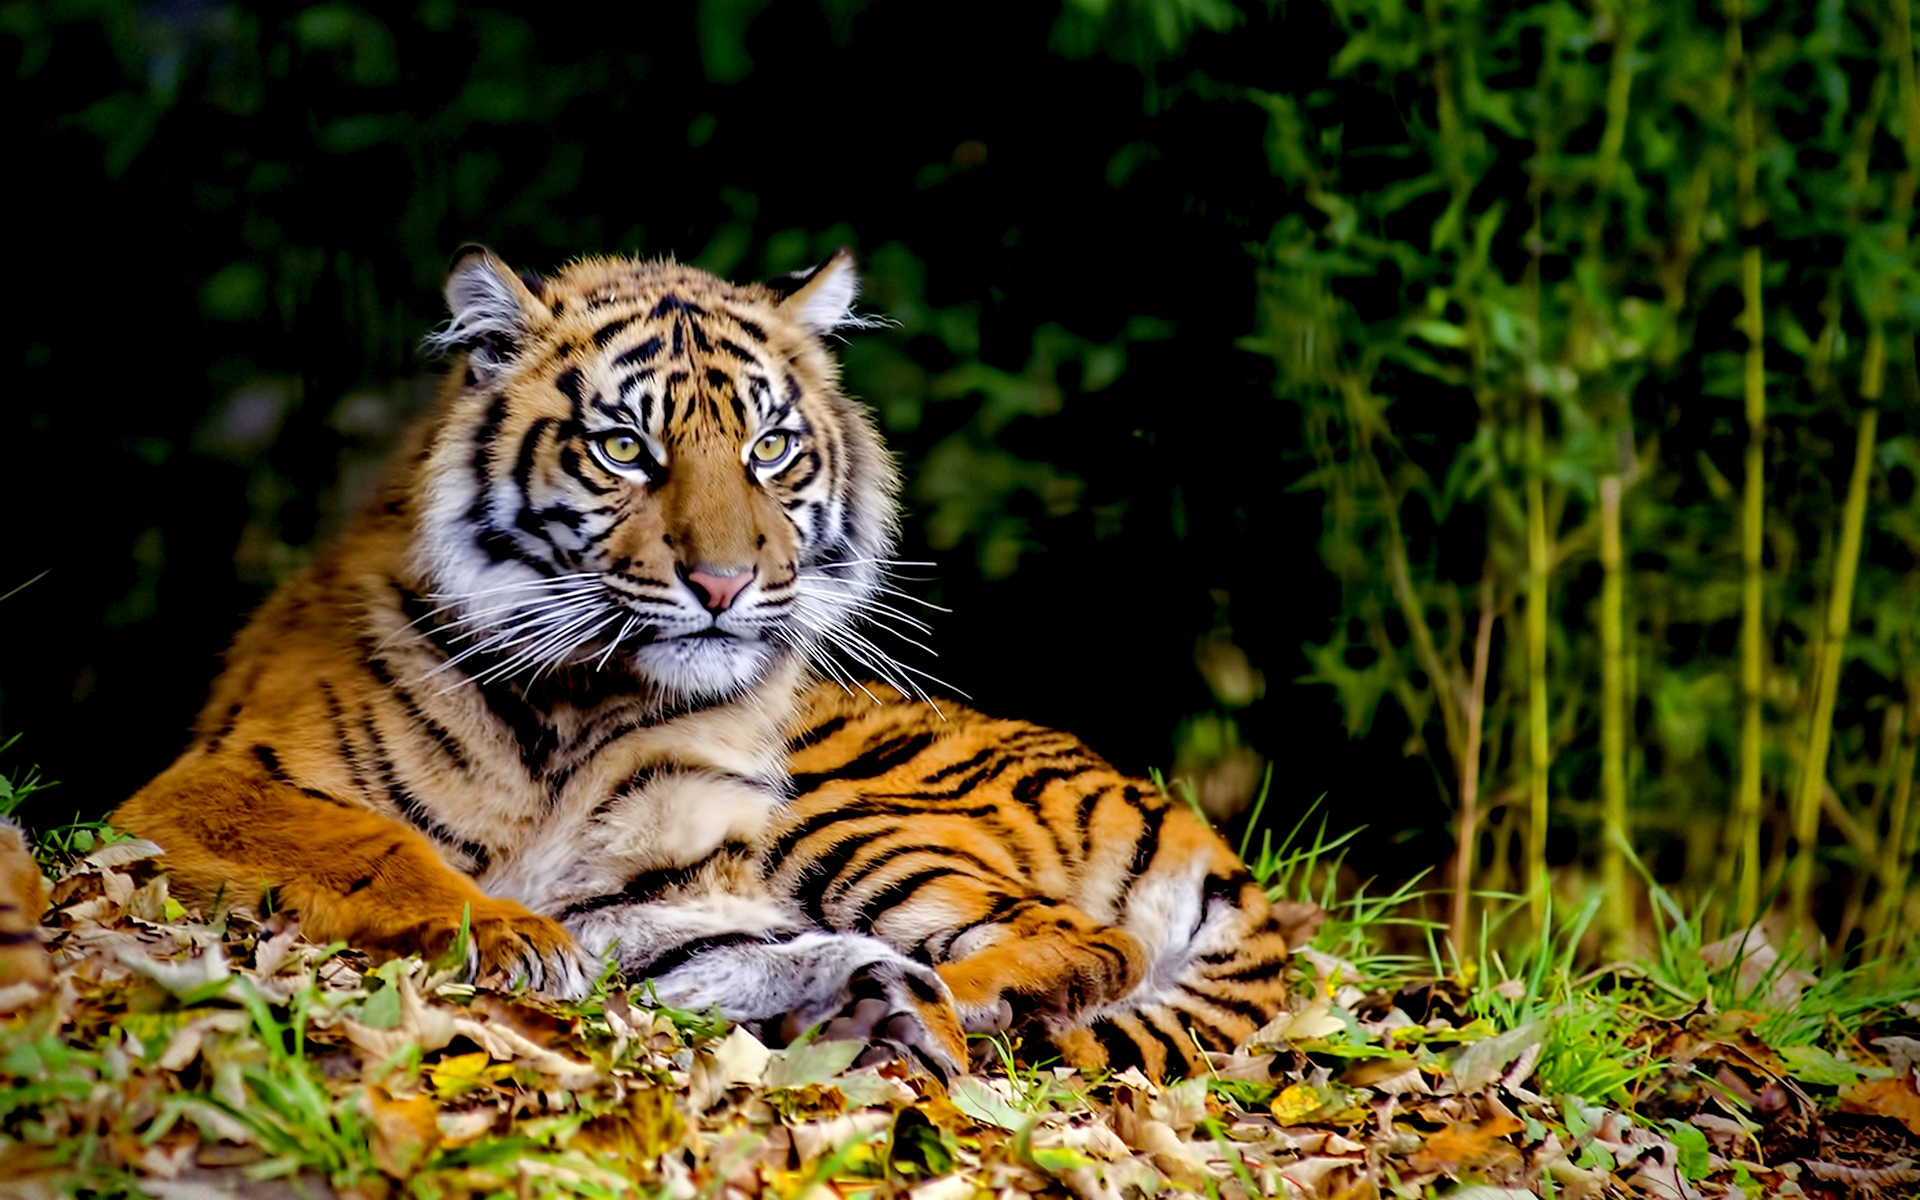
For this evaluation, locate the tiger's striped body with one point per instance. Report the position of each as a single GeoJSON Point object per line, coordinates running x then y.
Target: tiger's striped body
{"type": "Point", "coordinates": [544, 686]}
{"type": "Point", "coordinates": [1051, 891]}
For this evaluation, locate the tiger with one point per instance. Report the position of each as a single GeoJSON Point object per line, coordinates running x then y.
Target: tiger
{"type": "Point", "coordinates": [544, 698]}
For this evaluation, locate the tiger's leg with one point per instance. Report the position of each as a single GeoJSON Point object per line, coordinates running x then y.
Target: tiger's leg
{"type": "Point", "coordinates": [1212, 981]}
{"type": "Point", "coordinates": [1009, 954]}
{"type": "Point", "coordinates": [758, 965]}
{"type": "Point", "coordinates": [1045, 962]}
{"type": "Point", "coordinates": [349, 873]}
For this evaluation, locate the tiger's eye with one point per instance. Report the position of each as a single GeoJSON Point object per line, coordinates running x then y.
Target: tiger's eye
{"type": "Point", "coordinates": [620, 447]}
{"type": "Point", "coordinates": [771, 447]}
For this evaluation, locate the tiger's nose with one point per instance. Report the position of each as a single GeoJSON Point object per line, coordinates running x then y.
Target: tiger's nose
{"type": "Point", "coordinates": [716, 587]}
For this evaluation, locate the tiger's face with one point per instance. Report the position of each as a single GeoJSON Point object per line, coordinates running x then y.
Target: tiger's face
{"type": "Point", "coordinates": [650, 467]}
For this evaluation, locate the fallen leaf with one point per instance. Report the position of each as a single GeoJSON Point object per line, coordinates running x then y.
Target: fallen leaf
{"type": "Point", "coordinates": [1903, 1053]}
{"type": "Point", "coordinates": [1476, 1067]}
{"type": "Point", "coordinates": [1759, 968]}
{"type": "Point", "coordinates": [811, 1062]}
{"type": "Point", "coordinates": [179, 978]}
{"type": "Point", "coordinates": [977, 1098]}
{"type": "Point", "coordinates": [1895, 1098]}
{"type": "Point", "coordinates": [638, 1133]}
{"type": "Point", "coordinates": [401, 1130]}
{"type": "Point", "coordinates": [1468, 1144]}
{"type": "Point", "coordinates": [1811, 1064]}
{"type": "Point", "coordinates": [462, 1073]}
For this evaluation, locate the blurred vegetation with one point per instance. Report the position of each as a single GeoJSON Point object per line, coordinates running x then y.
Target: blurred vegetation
{"type": "Point", "coordinates": [1239, 347]}
{"type": "Point", "coordinates": [1601, 318]}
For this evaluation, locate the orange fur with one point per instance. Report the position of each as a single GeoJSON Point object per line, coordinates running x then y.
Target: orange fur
{"type": "Point", "coordinates": [23, 897]}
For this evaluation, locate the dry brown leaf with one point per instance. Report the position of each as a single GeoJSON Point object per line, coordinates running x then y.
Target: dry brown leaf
{"type": "Point", "coordinates": [1466, 1144]}
{"type": "Point", "coordinates": [402, 1130]}
{"type": "Point", "coordinates": [1759, 966]}
{"type": "Point", "coordinates": [184, 1046]}
{"type": "Point", "coordinates": [1894, 1098]}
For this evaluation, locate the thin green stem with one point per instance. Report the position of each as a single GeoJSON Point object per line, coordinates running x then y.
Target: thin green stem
{"type": "Point", "coordinates": [1747, 804]}
{"type": "Point", "coordinates": [1617, 917]}
{"type": "Point", "coordinates": [1538, 748]}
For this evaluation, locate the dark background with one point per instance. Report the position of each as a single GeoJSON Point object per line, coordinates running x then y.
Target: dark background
{"type": "Point", "coordinates": [233, 219]}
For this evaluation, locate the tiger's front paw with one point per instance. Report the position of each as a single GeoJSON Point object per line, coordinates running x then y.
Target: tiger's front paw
{"type": "Point", "coordinates": [505, 943]}
{"type": "Point", "coordinates": [901, 1011]}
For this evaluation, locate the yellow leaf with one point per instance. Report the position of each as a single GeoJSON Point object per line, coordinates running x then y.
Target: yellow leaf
{"type": "Point", "coordinates": [462, 1073]}
{"type": "Point", "coordinates": [1297, 1103]}
{"type": "Point", "coordinates": [638, 1134]}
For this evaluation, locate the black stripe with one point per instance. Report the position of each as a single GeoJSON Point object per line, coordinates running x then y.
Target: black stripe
{"type": "Point", "coordinates": [651, 885]}
{"type": "Point", "coordinates": [894, 894]}
{"type": "Point", "coordinates": [672, 960]}
{"type": "Point", "coordinates": [570, 463]}
{"type": "Point", "coordinates": [1179, 1052]}
{"type": "Point", "coordinates": [823, 870]}
{"type": "Point", "coordinates": [568, 383]}
{"type": "Point", "coordinates": [629, 382]}
{"type": "Point", "coordinates": [645, 352]}
{"type": "Point", "coordinates": [342, 743]}
{"type": "Point", "coordinates": [748, 327]}
{"type": "Point", "coordinates": [271, 761]}
{"type": "Point", "coordinates": [1148, 842]}
{"type": "Point", "coordinates": [408, 804]}
{"type": "Point", "coordinates": [1122, 1050]}
{"type": "Point", "coordinates": [670, 303]}
{"type": "Point", "coordinates": [529, 446]}
{"type": "Point", "coordinates": [487, 434]}
{"type": "Point", "coordinates": [856, 810]}
{"type": "Point", "coordinates": [875, 762]}
{"type": "Point", "coordinates": [1238, 1005]}
{"type": "Point", "coordinates": [738, 351]}
{"type": "Point", "coordinates": [1088, 803]}
{"type": "Point", "coordinates": [1031, 786]}
{"type": "Point", "coordinates": [377, 667]}
{"type": "Point", "coordinates": [951, 852]}
{"type": "Point", "coordinates": [606, 333]}
{"type": "Point", "coordinates": [1265, 968]}
{"type": "Point", "coordinates": [963, 765]}
{"type": "Point", "coordinates": [819, 733]}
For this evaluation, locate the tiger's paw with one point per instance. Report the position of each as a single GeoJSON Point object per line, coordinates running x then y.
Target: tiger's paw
{"type": "Point", "coordinates": [506, 943]}
{"type": "Point", "coordinates": [901, 1011]}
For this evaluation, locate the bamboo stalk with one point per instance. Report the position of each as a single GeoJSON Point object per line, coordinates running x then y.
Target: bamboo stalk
{"type": "Point", "coordinates": [1459, 923]}
{"type": "Point", "coordinates": [1747, 806]}
{"type": "Point", "coordinates": [1537, 728]}
{"type": "Point", "coordinates": [1617, 916]}
{"type": "Point", "coordinates": [1813, 771]}
{"type": "Point", "coordinates": [1903, 824]}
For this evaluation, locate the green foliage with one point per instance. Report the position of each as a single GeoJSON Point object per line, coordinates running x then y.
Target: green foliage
{"type": "Point", "coordinates": [18, 786]}
{"type": "Point", "coordinates": [1510, 269]}
{"type": "Point", "coordinates": [1589, 1040]}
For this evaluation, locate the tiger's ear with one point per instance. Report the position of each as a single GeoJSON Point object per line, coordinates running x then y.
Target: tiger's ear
{"type": "Point", "coordinates": [821, 300]}
{"type": "Point", "coordinates": [493, 310]}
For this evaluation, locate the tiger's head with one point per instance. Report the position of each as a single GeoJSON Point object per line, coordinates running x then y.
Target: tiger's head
{"type": "Point", "coordinates": [642, 464]}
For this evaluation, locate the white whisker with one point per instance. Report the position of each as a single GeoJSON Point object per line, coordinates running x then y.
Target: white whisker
{"type": "Point", "coordinates": [615, 644]}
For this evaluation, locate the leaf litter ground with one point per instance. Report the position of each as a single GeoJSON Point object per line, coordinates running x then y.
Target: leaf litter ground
{"type": "Point", "coordinates": [171, 1058]}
